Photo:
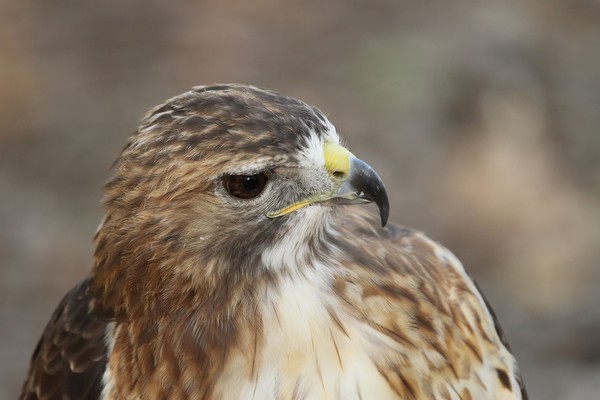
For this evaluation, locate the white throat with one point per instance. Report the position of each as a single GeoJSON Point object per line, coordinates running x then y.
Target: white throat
{"type": "Point", "coordinates": [293, 250]}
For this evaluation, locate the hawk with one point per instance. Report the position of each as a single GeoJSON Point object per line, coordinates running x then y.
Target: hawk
{"type": "Point", "coordinates": [232, 264]}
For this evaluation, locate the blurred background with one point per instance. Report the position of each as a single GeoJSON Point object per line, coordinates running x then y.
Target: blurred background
{"type": "Point", "coordinates": [482, 118]}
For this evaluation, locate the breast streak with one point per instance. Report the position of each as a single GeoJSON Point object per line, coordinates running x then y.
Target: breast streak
{"type": "Point", "coordinates": [313, 347]}
{"type": "Point", "coordinates": [304, 353]}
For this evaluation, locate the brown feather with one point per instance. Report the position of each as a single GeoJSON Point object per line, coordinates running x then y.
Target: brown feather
{"type": "Point", "coordinates": [195, 295]}
{"type": "Point", "coordinates": [70, 358]}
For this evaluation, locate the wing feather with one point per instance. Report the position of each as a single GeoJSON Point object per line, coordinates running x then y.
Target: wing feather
{"type": "Point", "coordinates": [416, 296]}
{"type": "Point", "coordinates": [503, 338]}
{"type": "Point", "coordinates": [70, 358]}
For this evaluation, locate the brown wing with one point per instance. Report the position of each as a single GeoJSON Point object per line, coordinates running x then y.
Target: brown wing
{"type": "Point", "coordinates": [70, 358]}
{"type": "Point", "coordinates": [502, 337]}
{"type": "Point", "coordinates": [397, 233]}
{"type": "Point", "coordinates": [415, 293]}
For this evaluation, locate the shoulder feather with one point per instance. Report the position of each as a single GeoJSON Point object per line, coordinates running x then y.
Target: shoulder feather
{"type": "Point", "coordinates": [70, 358]}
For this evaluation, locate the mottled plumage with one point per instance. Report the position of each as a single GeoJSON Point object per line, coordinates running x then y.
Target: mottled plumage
{"type": "Point", "coordinates": [231, 264]}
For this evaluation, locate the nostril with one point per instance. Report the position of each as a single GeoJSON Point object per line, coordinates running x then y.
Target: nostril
{"type": "Point", "coordinates": [339, 174]}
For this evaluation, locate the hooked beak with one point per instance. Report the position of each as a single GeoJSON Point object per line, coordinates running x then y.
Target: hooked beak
{"type": "Point", "coordinates": [355, 182]}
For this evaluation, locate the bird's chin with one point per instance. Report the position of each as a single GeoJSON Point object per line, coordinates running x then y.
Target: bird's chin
{"type": "Point", "coordinates": [309, 218]}
{"type": "Point", "coordinates": [299, 229]}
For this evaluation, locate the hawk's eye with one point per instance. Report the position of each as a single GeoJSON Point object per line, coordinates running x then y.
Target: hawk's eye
{"type": "Point", "coordinates": [246, 186]}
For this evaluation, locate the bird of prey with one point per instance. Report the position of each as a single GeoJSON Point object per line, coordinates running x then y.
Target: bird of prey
{"type": "Point", "coordinates": [233, 263]}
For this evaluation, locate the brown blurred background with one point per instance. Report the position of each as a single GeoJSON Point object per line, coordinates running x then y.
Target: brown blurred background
{"type": "Point", "coordinates": [482, 117]}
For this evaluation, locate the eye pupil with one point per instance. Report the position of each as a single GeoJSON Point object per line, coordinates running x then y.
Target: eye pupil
{"type": "Point", "coordinates": [246, 186]}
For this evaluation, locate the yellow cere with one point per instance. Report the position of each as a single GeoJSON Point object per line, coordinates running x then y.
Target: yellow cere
{"type": "Point", "coordinates": [337, 163]}
{"type": "Point", "coordinates": [337, 160]}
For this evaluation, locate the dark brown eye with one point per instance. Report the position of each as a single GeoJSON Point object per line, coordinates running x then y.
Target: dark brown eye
{"type": "Point", "coordinates": [246, 186]}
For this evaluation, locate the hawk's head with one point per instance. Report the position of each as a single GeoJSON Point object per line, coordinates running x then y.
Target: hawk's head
{"type": "Point", "coordinates": [221, 183]}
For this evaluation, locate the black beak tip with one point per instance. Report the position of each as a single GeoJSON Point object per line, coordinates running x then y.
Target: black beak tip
{"type": "Point", "coordinates": [384, 212]}
{"type": "Point", "coordinates": [378, 195]}
{"type": "Point", "coordinates": [383, 204]}
{"type": "Point", "coordinates": [369, 186]}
